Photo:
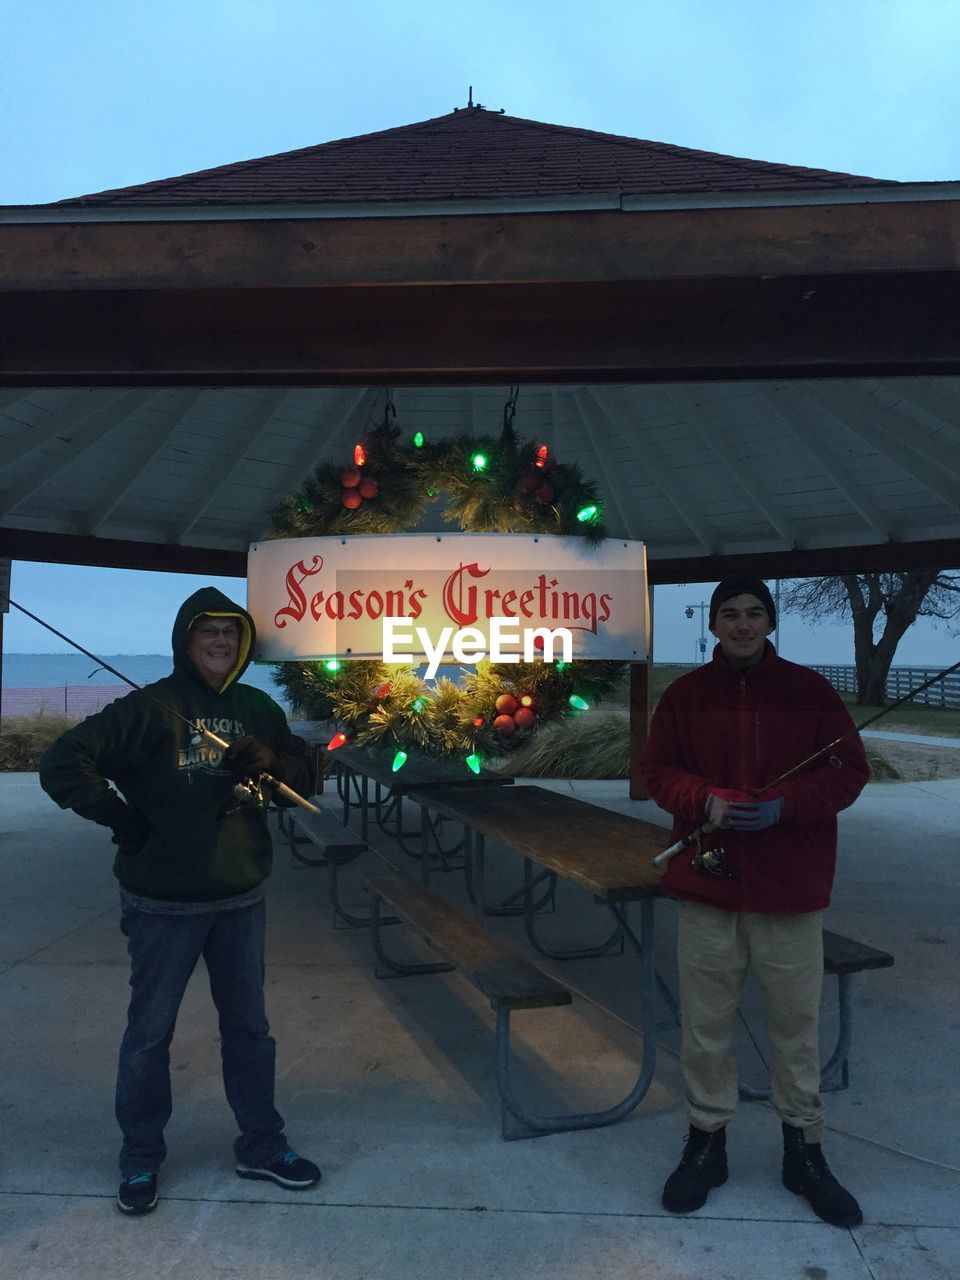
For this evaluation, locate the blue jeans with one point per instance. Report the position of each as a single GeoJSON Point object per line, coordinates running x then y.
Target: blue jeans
{"type": "Point", "coordinates": [164, 951]}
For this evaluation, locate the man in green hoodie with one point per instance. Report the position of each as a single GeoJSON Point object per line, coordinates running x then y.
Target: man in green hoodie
{"type": "Point", "coordinates": [191, 861]}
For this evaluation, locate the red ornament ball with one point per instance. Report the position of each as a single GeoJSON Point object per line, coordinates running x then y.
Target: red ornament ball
{"type": "Point", "coordinates": [349, 477]}
{"type": "Point", "coordinates": [524, 717]}
{"type": "Point", "coordinates": [506, 704]}
{"type": "Point", "coordinates": [504, 725]}
{"type": "Point", "coordinates": [545, 493]}
{"type": "Point", "coordinates": [350, 499]}
{"type": "Point", "coordinates": [530, 482]}
{"type": "Point", "coordinates": [368, 487]}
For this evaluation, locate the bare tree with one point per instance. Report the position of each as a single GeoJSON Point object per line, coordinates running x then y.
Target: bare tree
{"type": "Point", "coordinates": [882, 606]}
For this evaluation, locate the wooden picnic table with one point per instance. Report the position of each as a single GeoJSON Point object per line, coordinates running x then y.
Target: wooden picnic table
{"type": "Point", "coordinates": [359, 767]}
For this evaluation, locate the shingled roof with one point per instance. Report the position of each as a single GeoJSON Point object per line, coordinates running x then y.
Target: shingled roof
{"type": "Point", "coordinates": [472, 154]}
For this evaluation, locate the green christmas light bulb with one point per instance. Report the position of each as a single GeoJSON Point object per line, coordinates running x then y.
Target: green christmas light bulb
{"type": "Point", "coordinates": [586, 514]}
{"type": "Point", "coordinates": [419, 705]}
{"type": "Point", "coordinates": [399, 760]}
{"type": "Point", "coordinates": [560, 664]}
{"type": "Point", "coordinates": [576, 701]}
{"type": "Point", "coordinates": [332, 664]}
{"type": "Point", "coordinates": [418, 440]}
{"type": "Point", "coordinates": [479, 462]}
{"type": "Point", "coordinates": [473, 762]}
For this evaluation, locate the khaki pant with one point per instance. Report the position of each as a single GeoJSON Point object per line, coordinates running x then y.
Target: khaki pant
{"type": "Point", "coordinates": [715, 949]}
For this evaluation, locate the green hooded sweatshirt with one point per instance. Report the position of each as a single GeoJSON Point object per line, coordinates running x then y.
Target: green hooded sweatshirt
{"type": "Point", "coordinates": [199, 846]}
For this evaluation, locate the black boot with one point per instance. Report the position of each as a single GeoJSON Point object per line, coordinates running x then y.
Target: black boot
{"type": "Point", "coordinates": [702, 1167]}
{"type": "Point", "coordinates": [806, 1173]}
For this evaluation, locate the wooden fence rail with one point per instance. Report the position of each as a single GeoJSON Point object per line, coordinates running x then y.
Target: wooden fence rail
{"type": "Point", "coordinates": [900, 681]}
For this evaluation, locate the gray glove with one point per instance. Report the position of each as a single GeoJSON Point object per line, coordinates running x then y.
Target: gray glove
{"type": "Point", "coordinates": [754, 815]}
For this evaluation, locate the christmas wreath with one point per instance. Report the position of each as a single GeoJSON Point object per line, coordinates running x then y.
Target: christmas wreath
{"type": "Point", "coordinates": [490, 485]}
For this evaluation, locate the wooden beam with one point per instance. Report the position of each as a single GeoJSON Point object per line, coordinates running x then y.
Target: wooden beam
{"type": "Point", "coordinates": [114, 553]}
{"type": "Point", "coordinates": [577, 246]}
{"type": "Point", "coordinates": [817, 562]}
{"type": "Point", "coordinates": [634, 331]}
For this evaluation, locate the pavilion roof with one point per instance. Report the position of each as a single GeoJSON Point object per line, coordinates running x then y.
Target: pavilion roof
{"type": "Point", "coordinates": [473, 154]}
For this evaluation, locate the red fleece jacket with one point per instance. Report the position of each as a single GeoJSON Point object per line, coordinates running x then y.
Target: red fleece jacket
{"type": "Point", "coordinates": [725, 727]}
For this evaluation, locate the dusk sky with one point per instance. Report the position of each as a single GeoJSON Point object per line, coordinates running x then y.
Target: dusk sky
{"type": "Point", "coordinates": [109, 93]}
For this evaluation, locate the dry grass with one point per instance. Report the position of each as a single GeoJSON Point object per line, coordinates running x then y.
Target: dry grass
{"type": "Point", "coordinates": [597, 746]}
{"type": "Point", "coordinates": [593, 746]}
{"type": "Point", "coordinates": [23, 739]}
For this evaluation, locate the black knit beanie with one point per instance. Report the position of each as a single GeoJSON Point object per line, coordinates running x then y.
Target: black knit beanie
{"type": "Point", "coordinates": [742, 584]}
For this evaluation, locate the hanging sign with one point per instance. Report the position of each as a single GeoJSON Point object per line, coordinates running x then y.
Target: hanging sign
{"type": "Point", "coordinates": [448, 598]}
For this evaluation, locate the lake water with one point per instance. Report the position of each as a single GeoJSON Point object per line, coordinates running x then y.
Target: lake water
{"type": "Point", "coordinates": [60, 670]}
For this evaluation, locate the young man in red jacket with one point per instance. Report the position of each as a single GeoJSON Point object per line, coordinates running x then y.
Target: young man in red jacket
{"type": "Point", "coordinates": [719, 735]}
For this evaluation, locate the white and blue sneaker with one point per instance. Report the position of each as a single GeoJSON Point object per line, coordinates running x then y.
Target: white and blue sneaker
{"type": "Point", "coordinates": [138, 1193]}
{"type": "Point", "coordinates": [289, 1170]}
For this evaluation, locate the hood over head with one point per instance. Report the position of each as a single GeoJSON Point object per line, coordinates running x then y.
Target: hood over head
{"type": "Point", "coordinates": [211, 601]}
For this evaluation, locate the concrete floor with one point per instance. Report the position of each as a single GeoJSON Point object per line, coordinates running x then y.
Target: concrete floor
{"type": "Point", "coordinates": [390, 1086]}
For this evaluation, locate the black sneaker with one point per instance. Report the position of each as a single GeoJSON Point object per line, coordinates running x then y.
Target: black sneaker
{"type": "Point", "coordinates": [702, 1167]}
{"type": "Point", "coordinates": [806, 1173]}
{"type": "Point", "coordinates": [138, 1193]}
{"type": "Point", "coordinates": [290, 1170]}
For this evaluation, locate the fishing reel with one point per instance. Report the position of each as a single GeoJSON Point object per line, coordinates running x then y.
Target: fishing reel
{"type": "Point", "coordinates": [247, 793]}
{"type": "Point", "coordinates": [712, 861]}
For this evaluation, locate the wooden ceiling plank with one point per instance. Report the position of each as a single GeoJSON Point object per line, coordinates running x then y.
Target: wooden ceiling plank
{"type": "Point", "coordinates": [788, 413]}
{"type": "Point", "coordinates": [736, 467]}
{"type": "Point", "coordinates": [927, 401]}
{"type": "Point", "coordinates": [655, 468]}
{"type": "Point", "coordinates": [217, 476]}
{"type": "Point", "coordinates": [74, 414]}
{"type": "Point", "coordinates": [96, 518]}
{"type": "Point", "coordinates": [900, 425]}
{"type": "Point", "coordinates": [93, 428]}
{"type": "Point", "coordinates": [904, 456]}
{"type": "Point", "coordinates": [612, 488]}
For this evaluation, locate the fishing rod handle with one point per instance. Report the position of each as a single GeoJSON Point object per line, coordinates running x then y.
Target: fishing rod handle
{"type": "Point", "coordinates": [662, 858]}
{"type": "Point", "coordinates": [282, 787]}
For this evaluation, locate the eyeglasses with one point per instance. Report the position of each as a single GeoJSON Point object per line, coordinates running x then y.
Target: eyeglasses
{"type": "Point", "coordinates": [208, 632]}
{"type": "Point", "coordinates": [712, 862]}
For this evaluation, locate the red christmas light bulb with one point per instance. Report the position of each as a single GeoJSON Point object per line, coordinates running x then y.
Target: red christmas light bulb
{"type": "Point", "coordinates": [526, 700]}
{"type": "Point", "coordinates": [359, 455]}
{"type": "Point", "coordinates": [337, 740]}
{"type": "Point", "coordinates": [542, 454]}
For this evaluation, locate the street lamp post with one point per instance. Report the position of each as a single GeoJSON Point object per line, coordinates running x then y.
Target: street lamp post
{"type": "Point", "coordinates": [702, 642]}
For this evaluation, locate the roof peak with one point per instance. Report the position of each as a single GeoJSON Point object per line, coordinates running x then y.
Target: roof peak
{"type": "Point", "coordinates": [472, 153]}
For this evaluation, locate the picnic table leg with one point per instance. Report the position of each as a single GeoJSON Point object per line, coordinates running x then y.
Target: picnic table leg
{"type": "Point", "coordinates": [838, 1060]}
{"type": "Point", "coordinates": [530, 1124]}
{"type": "Point", "coordinates": [364, 806]}
{"type": "Point", "coordinates": [387, 968]}
{"type": "Point", "coordinates": [479, 851]}
{"type": "Point", "coordinates": [530, 882]}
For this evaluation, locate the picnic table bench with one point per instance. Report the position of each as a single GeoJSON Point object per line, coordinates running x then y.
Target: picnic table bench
{"type": "Point", "coordinates": [606, 853]}
{"type": "Point", "coordinates": [321, 840]}
{"type": "Point", "coordinates": [610, 855]}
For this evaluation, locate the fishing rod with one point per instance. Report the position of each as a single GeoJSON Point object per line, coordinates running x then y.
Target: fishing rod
{"type": "Point", "coordinates": [709, 827]}
{"type": "Point", "coordinates": [195, 725]}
